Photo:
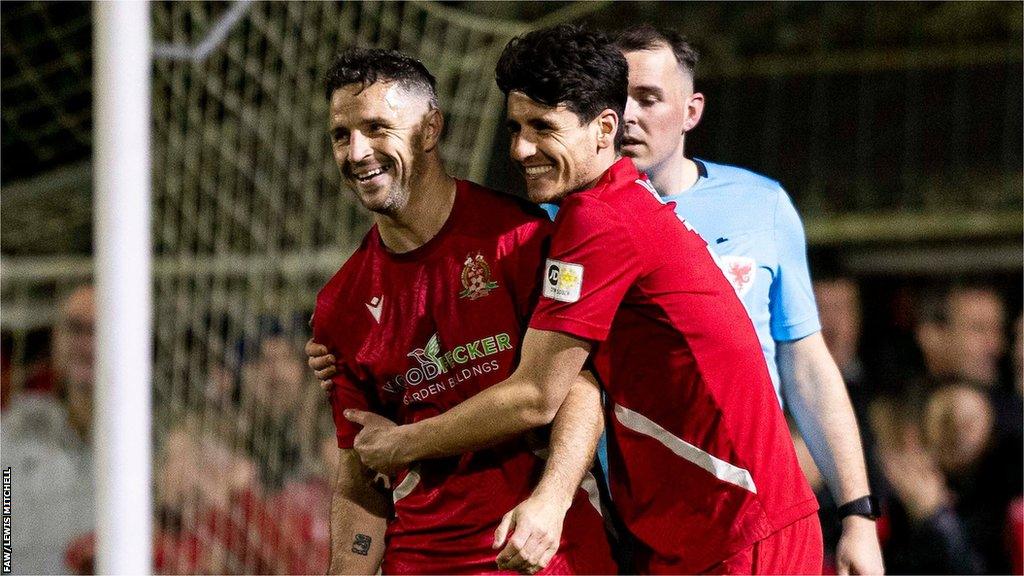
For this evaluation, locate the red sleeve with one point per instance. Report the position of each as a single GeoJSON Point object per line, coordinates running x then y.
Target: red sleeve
{"type": "Point", "coordinates": [591, 265]}
{"type": "Point", "coordinates": [348, 393]}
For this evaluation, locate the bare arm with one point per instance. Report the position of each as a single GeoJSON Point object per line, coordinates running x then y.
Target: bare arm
{"type": "Point", "coordinates": [577, 428]}
{"type": "Point", "coordinates": [529, 398]}
{"type": "Point", "coordinates": [817, 398]}
{"type": "Point", "coordinates": [359, 514]}
{"type": "Point", "coordinates": [536, 523]}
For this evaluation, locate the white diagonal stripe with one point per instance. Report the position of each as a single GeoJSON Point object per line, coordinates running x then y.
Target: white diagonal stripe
{"type": "Point", "coordinates": [411, 480]}
{"type": "Point", "coordinates": [589, 484]}
{"type": "Point", "coordinates": [720, 469]}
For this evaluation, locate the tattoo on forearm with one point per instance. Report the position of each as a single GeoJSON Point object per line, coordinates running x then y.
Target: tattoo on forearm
{"type": "Point", "coordinates": [361, 545]}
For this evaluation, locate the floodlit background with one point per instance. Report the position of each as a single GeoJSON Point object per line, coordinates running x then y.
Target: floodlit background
{"type": "Point", "coordinates": [896, 128]}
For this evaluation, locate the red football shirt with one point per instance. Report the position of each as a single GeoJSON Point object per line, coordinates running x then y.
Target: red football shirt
{"type": "Point", "coordinates": [701, 464]}
{"type": "Point", "coordinates": [417, 333]}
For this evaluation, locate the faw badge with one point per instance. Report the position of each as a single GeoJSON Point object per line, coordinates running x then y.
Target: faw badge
{"type": "Point", "coordinates": [740, 270]}
{"type": "Point", "coordinates": [476, 278]}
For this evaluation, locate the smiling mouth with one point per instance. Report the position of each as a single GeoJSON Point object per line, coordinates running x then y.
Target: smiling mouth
{"type": "Point", "coordinates": [535, 171]}
{"type": "Point", "coordinates": [370, 174]}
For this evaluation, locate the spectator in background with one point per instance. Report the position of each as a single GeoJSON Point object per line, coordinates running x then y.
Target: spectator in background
{"type": "Point", "coordinates": [47, 445]}
{"type": "Point", "coordinates": [242, 484]}
{"type": "Point", "coordinates": [271, 423]}
{"type": "Point", "coordinates": [952, 480]}
{"type": "Point", "coordinates": [982, 470]}
{"type": "Point", "coordinates": [923, 533]}
{"type": "Point", "coordinates": [960, 332]}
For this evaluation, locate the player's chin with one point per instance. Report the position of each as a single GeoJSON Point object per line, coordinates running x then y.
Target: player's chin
{"type": "Point", "coordinates": [542, 192]}
{"type": "Point", "coordinates": [376, 198]}
{"type": "Point", "coordinates": [638, 153]}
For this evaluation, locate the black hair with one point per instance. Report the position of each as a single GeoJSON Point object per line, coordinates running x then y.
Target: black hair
{"type": "Point", "coordinates": [366, 66]}
{"type": "Point", "coordinates": [647, 37]}
{"type": "Point", "coordinates": [567, 65]}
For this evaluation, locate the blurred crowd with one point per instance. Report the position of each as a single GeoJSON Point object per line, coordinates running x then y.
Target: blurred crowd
{"type": "Point", "coordinates": [242, 474]}
{"type": "Point", "coordinates": [940, 418]}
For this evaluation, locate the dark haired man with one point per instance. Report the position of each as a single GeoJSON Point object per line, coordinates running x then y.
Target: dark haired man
{"type": "Point", "coordinates": [702, 469]}
{"type": "Point", "coordinates": [428, 311]}
{"type": "Point", "coordinates": [752, 226]}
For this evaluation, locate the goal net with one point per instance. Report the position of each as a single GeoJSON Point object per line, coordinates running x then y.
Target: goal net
{"type": "Point", "coordinates": [250, 220]}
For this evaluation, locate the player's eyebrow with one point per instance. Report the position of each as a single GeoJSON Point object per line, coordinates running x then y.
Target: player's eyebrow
{"type": "Point", "coordinates": [541, 124]}
{"type": "Point", "coordinates": [640, 91]}
{"type": "Point", "coordinates": [377, 120]}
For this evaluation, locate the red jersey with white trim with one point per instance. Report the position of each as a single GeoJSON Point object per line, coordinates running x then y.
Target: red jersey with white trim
{"type": "Point", "coordinates": [701, 462]}
{"type": "Point", "coordinates": [417, 333]}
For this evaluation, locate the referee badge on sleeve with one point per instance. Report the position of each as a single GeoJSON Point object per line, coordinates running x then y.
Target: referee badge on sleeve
{"type": "Point", "coordinates": [563, 280]}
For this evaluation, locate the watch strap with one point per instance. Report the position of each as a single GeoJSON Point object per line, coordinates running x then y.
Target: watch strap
{"type": "Point", "coordinates": [866, 506]}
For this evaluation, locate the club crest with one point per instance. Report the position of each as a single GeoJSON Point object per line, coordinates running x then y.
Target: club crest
{"type": "Point", "coordinates": [741, 272]}
{"type": "Point", "coordinates": [476, 278]}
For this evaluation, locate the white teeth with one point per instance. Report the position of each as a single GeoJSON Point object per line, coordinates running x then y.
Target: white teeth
{"type": "Point", "coordinates": [372, 173]}
{"type": "Point", "coordinates": [536, 170]}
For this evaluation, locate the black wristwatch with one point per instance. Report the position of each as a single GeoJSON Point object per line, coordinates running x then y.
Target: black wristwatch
{"type": "Point", "coordinates": [866, 506]}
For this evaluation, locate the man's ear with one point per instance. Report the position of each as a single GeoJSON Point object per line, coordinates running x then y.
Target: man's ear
{"type": "Point", "coordinates": [433, 128]}
{"type": "Point", "coordinates": [608, 126]}
{"type": "Point", "coordinates": [694, 110]}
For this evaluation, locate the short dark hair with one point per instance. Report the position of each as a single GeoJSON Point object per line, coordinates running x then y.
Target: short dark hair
{"type": "Point", "coordinates": [367, 66]}
{"type": "Point", "coordinates": [567, 65]}
{"type": "Point", "coordinates": [934, 300]}
{"type": "Point", "coordinates": [647, 37]}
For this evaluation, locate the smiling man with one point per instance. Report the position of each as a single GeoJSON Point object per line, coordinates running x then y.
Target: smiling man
{"type": "Point", "coordinates": [702, 470]}
{"type": "Point", "coordinates": [427, 312]}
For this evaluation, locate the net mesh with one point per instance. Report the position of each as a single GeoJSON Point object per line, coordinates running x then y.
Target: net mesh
{"type": "Point", "coordinates": [249, 221]}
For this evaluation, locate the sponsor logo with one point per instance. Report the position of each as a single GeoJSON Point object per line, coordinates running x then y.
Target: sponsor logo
{"type": "Point", "coordinates": [740, 271]}
{"type": "Point", "coordinates": [563, 280]}
{"type": "Point", "coordinates": [438, 370]}
{"type": "Point", "coordinates": [375, 306]}
{"type": "Point", "coordinates": [476, 278]}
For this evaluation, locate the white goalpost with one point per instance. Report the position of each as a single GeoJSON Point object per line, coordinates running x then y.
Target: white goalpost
{"type": "Point", "coordinates": [121, 88]}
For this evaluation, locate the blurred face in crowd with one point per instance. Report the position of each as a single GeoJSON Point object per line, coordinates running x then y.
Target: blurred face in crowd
{"type": "Point", "coordinates": [661, 108]}
{"type": "Point", "coordinates": [975, 333]}
{"type": "Point", "coordinates": [73, 354]}
{"type": "Point", "coordinates": [839, 308]}
{"type": "Point", "coordinates": [276, 379]}
{"type": "Point", "coordinates": [379, 135]}
{"type": "Point", "coordinates": [556, 151]}
{"type": "Point", "coordinates": [958, 426]}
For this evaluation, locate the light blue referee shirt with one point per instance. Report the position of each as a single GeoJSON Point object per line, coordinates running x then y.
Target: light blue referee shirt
{"type": "Point", "coordinates": [751, 224]}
